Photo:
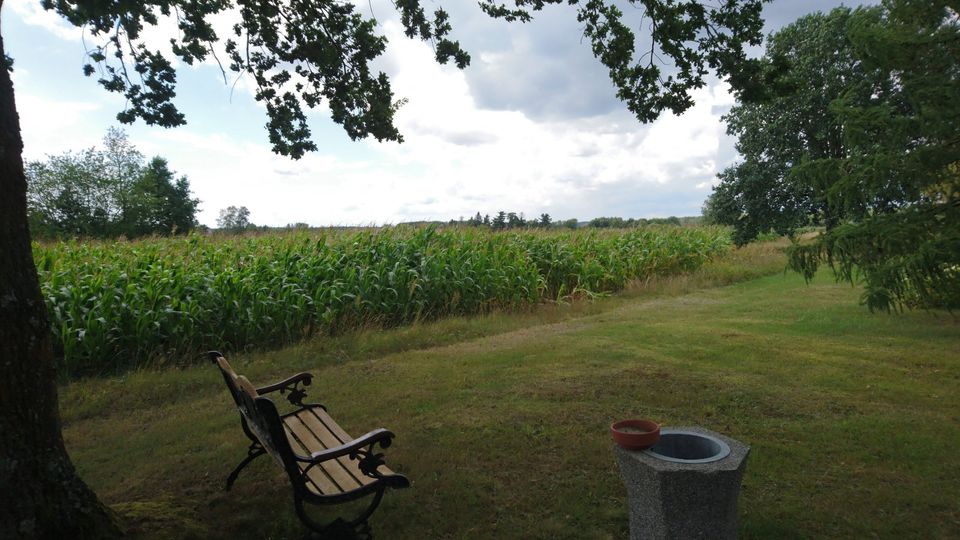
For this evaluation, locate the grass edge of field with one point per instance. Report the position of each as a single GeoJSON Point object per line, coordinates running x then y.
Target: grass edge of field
{"type": "Point", "coordinates": [777, 409]}
{"type": "Point", "coordinates": [93, 396]}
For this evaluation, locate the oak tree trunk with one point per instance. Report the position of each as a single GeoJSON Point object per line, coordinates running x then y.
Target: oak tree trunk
{"type": "Point", "coordinates": [41, 495]}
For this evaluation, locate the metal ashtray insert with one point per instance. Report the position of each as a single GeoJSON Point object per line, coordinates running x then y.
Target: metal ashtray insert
{"type": "Point", "coordinates": [681, 446]}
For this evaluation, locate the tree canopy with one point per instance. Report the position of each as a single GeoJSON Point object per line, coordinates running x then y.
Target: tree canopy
{"type": "Point", "coordinates": [861, 137]}
{"type": "Point", "coordinates": [898, 181]}
{"type": "Point", "coordinates": [302, 53]}
{"type": "Point", "coordinates": [796, 124]}
{"type": "Point", "coordinates": [234, 219]}
{"type": "Point", "coordinates": [108, 192]}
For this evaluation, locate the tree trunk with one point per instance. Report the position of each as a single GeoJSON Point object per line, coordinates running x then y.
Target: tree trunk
{"type": "Point", "coordinates": [41, 495]}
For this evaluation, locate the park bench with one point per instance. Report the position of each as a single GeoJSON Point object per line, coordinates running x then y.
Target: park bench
{"type": "Point", "coordinates": [324, 463]}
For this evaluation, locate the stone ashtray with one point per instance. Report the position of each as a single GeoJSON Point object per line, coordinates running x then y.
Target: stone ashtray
{"type": "Point", "coordinates": [685, 486]}
{"type": "Point", "coordinates": [635, 434]}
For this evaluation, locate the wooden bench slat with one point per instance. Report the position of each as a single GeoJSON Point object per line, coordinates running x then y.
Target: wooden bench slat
{"type": "Point", "coordinates": [320, 477]}
{"type": "Point", "coordinates": [314, 441]}
{"type": "Point", "coordinates": [344, 438]}
{"type": "Point", "coordinates": [297, 446]}
{"type": "Point", "coordinates": [332, 425]}
{"type": "Point", "coordinates": [328, 438]}
{"type": "Point", "coordinates": [333, 470]}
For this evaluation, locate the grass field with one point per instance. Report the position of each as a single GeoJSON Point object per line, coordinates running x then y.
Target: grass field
{"type": "Point", "coordinates": [501, 420]}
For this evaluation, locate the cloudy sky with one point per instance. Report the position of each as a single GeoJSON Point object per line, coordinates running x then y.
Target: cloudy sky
{"type": "Point", "coordinates": [531, 126]}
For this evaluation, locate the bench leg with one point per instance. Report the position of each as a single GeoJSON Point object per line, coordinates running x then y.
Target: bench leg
{"type": "Point", "coordinates": [339, 528]}
{"type": "Point", "coordinates": [253, 452]}
{"type": "Point", "coordinates": [362, 518]}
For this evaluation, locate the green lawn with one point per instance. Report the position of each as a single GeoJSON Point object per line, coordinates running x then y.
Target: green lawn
{"type": "Point", "coordinates": [501, 421]}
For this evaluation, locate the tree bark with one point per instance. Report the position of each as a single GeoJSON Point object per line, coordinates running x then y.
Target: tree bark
{"type": "Point", "coordinates": [41, 495]}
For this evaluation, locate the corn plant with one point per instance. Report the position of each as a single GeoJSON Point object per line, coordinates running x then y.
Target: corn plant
{"type": "Point", "coordinates": [121, 305]}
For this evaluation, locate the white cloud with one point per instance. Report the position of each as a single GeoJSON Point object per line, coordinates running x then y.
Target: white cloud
{"type": "Point", "coordinates": [528, 165]}
{"type": "Point", "coordinates": [53, 126]}
{"type": "Point", "coordinates": [223, 172]}
{"type": "Point", "coordinates": [32, 13]}
{"type": "Point", "coordinates": [459, 157]}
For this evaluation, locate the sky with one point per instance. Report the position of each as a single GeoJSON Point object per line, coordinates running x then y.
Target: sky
{"type": "Point", "coordinates": [531, 126]}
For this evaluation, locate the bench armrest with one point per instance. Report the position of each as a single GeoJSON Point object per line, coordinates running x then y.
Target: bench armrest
{"type": "Point", "coordinates": [358, 446]}
{"type": "Point", "coordinates": [287, 384]}
{"type": "Point", "coordinates": [291, 385]}
{"type": "Point", "coordinates": [362, 450]}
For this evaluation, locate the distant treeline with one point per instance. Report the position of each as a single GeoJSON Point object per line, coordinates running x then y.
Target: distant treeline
{"type": "Point", "coordinates": [620, 223]}
{"type": "Point", "coordinates": [512, 220]}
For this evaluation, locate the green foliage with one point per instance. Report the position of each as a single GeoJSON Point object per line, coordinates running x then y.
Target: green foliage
{"type": "Point", "coordinates": [512, 220]}
{"type": "Point", "coordinates": [297, 53]}
{"type": "Point", "coordinates": [108, 192]}
{"type": "Point", "coordinates": [235, 219]}
{"type": "Point", "coordinates": [865, 142]}
{"type": "Point", "coordinates": [500, 222]}
{"type": "Point", "coordinates": [68, 194]}
{"type": "Point", "coordinates": [768, 236]}
{"type": "Point", "coordinates": [694, 36]}
{"type": "Point", "coordinates": [898, 180]}
{"type": "Point", "coordinates": [608, 223]}
{"type": "Point", "coordinates": [620, 223]}
{"type": "Point", "coordinates": [159, 203]}
{"type": "Point", "coordinates": [792, 127]}
{"type": "Point", "coordinates": [118, 305]}
{"type": "Point", "coordinates": [509, 220]}
{"type": "Point", "coordinates": [590, 262]}
{"type": "Point", "coordinates": [303, 53]}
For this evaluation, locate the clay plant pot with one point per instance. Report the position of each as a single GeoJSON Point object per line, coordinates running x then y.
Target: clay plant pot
{"type": "Point", "coordinates": [635, 434]}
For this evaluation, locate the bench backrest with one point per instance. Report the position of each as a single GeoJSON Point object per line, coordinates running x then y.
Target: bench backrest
{"type": "Point", "coordinates": [258, 414]}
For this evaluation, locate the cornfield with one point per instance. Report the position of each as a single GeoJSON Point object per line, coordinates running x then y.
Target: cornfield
{"type": "Point", "coordinates": [120, 305]}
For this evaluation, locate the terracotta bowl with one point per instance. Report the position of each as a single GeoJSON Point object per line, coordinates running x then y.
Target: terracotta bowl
{"type": "Point", "coordinates": [635, 434]}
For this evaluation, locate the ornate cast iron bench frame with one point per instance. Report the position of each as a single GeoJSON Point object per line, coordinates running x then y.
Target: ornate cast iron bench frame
{"type": "Point", "coordinates": [325, 465]}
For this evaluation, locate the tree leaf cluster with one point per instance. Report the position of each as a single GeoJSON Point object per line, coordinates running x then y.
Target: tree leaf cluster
{"type": "Point", "coordinates": [108, 192]}
{"type": "Point", "coordinates": [621, 223]}
{"type": "Point", "coordinates": [864, 142]}
{"type": "Point", "coordinates": [508, 220]}
{"type": "Point", "coordinates": [298, 53]}
{"type": "Point", "coordinates": [688, 39]}
{"type": "Point", "coordinates": [302, 53]}
{"type": "Point", "coordinates": [235, 219]}
{"type": "Point", "coordinates": [796, 123]}
{"type": "Point", "coordinates": [899, 180]}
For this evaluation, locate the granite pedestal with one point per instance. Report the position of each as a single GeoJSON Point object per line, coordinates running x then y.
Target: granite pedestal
{"type": "Point", "coordinates": [686, 486]}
